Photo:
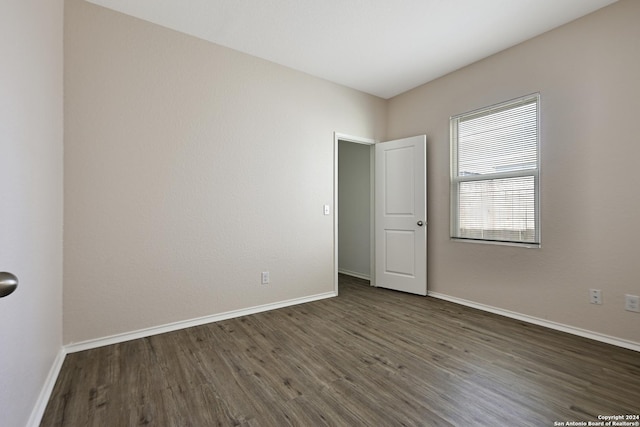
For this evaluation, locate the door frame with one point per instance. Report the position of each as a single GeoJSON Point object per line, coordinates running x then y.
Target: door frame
{"type": "Point", "coordinates": [337, 137]}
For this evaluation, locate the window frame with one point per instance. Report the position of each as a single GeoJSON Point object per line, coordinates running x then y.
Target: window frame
{"type": "Point", "coordinates": [456, 180]}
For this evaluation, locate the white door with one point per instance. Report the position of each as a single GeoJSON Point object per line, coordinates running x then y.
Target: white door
{"type": "Point", "coordinates": [401, 215]}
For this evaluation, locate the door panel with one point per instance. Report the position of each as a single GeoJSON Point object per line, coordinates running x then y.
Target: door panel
{"type": "Point", "coordinates": [400, 206]}
{"type": "Point", "coordinates": [398, 183]}
{"type": "Point", "coordinates": [399, 252]}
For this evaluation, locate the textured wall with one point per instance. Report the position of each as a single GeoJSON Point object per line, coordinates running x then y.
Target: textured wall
{"type": "Point", "coordinates": [354, 208]}
{"type": "Point", "coordinates": [587, 74]}
{"type": "Point", "coordinates": [190, 168]}
{"type": "Point", "coordinates": [31, 200]}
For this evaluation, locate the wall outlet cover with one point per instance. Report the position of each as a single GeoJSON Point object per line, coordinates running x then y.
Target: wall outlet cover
{"type": "Point", "coordinates": [632, 303]}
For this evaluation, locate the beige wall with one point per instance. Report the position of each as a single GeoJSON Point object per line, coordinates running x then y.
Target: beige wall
{"type": "Point", "coordinates": [587, 75]}
{"type": "Point", "coordinates": [30, 200]}
{"type": "Point", "coordinates": [190, 168]}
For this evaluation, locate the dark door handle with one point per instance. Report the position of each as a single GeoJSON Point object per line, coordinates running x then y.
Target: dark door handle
{"type": "Point", "coordinates": [8, 283]}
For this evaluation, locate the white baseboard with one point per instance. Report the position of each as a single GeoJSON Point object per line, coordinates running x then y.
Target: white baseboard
{"type": "Point", "coordinates": [631, 345]}
{"type": "Point", "coordinates": [354, 274]}
{"type": "Point", "coordinates": [170, 327]}
{"type": "Point", "coordinates": [47, 389]}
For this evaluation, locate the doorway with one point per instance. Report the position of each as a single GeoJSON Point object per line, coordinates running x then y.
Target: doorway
{"type": "Point", "coordinates": [353, 201]}
{"type": "Point", "coordinates": [396, 214]}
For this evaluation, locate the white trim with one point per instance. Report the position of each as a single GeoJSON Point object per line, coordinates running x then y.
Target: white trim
{"type": "Point", "coordinates": [354, 274]}
{"type": "Point", "coordinates": [47, 389]}
{"type": "Point", "coordinates": [504, 105]}
{"type": "Point", "coordinates": [496, 242]}
{"type": "Point", "coordinates": [170, 327]}
{"type": "Point", "coordinates": [372, 216]}
{"type": "Point", "coordinates": [355, 139]}
{"type": "Point", "coordinates": [337, 137]}
{"type": "Point", "coordinates": [631, 345]}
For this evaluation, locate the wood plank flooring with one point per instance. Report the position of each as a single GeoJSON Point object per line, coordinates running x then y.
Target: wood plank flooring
{"type": "Point", "coordinates": [370, 357]}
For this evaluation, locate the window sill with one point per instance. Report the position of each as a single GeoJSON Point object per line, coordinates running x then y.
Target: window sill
{"type": "Point", "coordinates": [498, 242]}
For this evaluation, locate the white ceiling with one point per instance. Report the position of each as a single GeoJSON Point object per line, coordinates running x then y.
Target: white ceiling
{"type": "Point", "coordinates": [381, 47]}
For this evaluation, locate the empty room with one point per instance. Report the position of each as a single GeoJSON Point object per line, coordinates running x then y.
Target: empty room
{"type": "Point", "coordinates": [346, 213]}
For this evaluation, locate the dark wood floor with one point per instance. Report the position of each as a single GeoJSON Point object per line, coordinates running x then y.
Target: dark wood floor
{"type": "Point", "coordinates": [369, 357]}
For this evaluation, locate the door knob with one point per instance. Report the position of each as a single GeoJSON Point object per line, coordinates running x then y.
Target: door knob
{"type": "Point", "coordinates": [420, 223]}
{"type": "Point", "coordinates": [8, 283]}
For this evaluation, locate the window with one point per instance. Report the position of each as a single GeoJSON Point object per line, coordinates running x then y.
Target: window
{"type": "Point", "coordinates": [495, 173]}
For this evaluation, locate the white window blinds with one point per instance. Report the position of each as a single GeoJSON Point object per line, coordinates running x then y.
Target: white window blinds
{"type": "Point", "coordinates": [494, 173]}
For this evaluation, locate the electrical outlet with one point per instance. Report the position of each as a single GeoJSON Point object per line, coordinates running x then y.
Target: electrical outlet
{"type": "Point", "coordinates": [595, 296]}
{"type": "Point", "coordinates": [632, 303]}
{"type": "Point", "coordinates": [265, 277]}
